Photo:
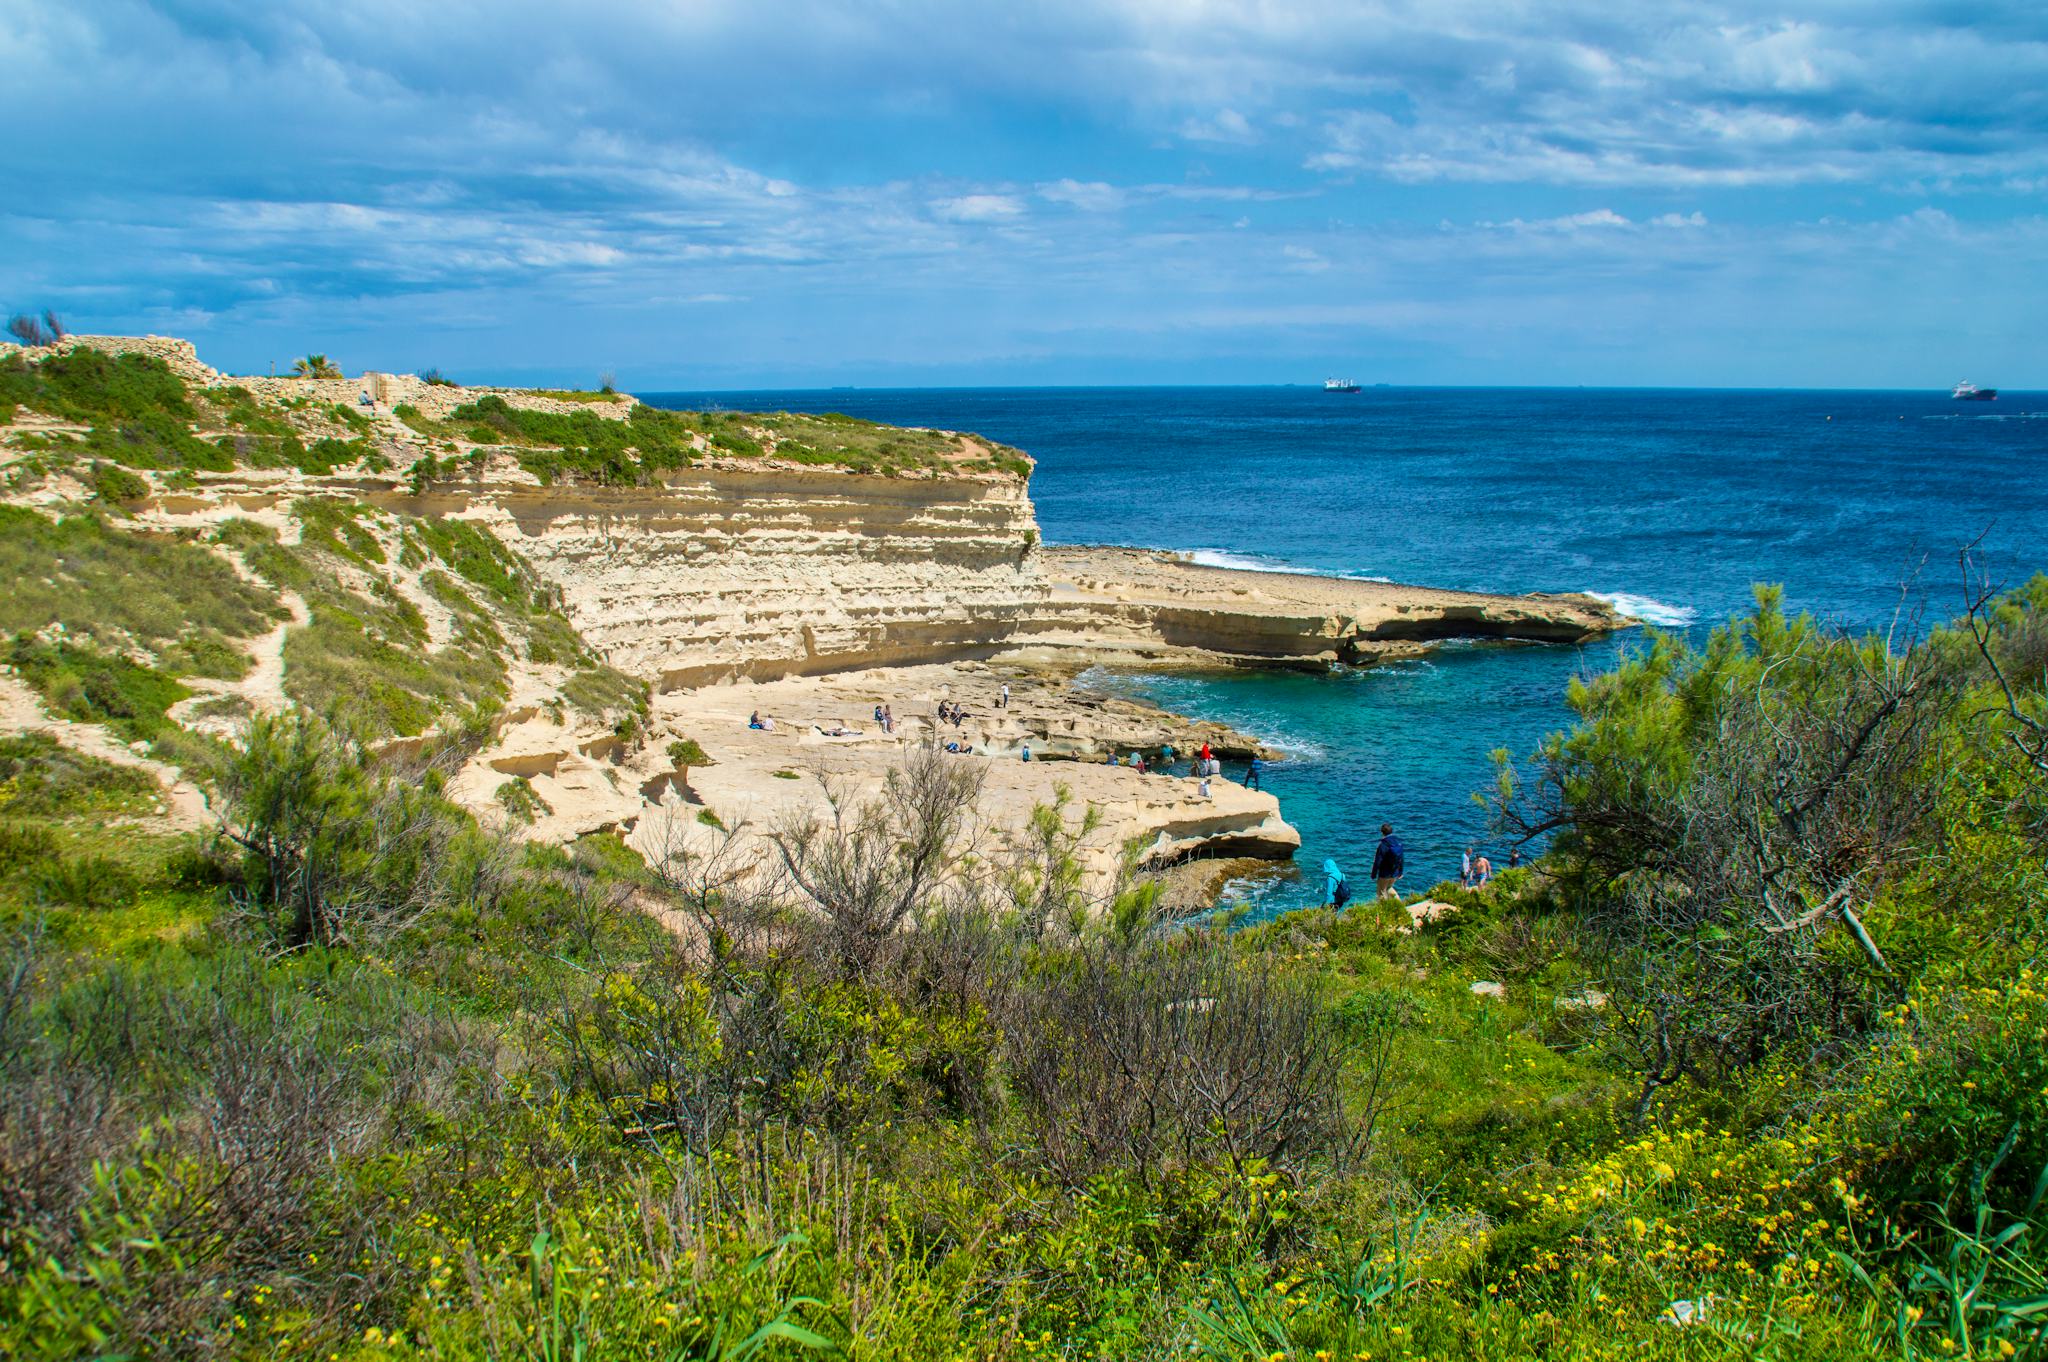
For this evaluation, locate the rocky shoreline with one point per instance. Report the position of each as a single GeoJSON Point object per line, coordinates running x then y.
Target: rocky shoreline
{"type": "Point", "coordinates": [755, 573]}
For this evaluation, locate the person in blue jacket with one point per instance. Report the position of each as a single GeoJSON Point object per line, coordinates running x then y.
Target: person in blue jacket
{"type": "Point", "coordinates": [1388, 861]}
{"type": "Point", "coordinates": [1335, 891]}
{"type": "Point", "coordinates": [1253, 772]}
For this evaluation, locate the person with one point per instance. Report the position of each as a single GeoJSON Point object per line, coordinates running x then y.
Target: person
{"type": "Point", "coordinates": [1205, 753]}
{"type": "Point", "coordinates": [1166, 755]}
{"type": "Point", "coordinates": [1006, 696]}
{"type": "Point", "coordinates": [878, 714]}
{"type": "Point", "coordinates": [1252, 774]}
{"type": "Point", "coordinates": [363, 400]}
{"type": "Point", "coordinates": [768, 724]}
{"type": "Point", "coordinates": [1138, 762]}
{"type": "Point", "coordinates": [754, 719]}
{"type": "Point", "coordinates": [888, 719]}
{"type": "Point", "coordinates": [1027, 751]}
{"type": "Point", "coordinates": [1205, 788]}
{"type": "Point", "coordinates": [1465, 870]}
{"type": "Point", "coordinates": [1514, 857]}
{"type": "Point", "coordinates": [1109, 758]}
{"type": "Point", "coordinates": [1388, 861]}
{"type": "Point", "coordinates": [1335, 891]}
{"type": "Point", "coordinates": [1482, 871]}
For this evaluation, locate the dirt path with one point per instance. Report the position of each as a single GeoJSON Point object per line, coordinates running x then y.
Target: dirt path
{"type": "Point", "coordinates": [21, 712]}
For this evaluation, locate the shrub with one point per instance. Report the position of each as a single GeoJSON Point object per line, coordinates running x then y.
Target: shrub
{"type": "Point", "coordinates": [337, 851]}
{"type": "Point", "coordinates": [117, 484]}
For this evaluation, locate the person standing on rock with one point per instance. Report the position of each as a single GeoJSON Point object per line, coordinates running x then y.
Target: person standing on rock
{"type": "Point", "coordinates": [1253, 772]}
{"type": "Point", "coordinates": [1006, 696]}
{"type": "Point", "coordinates": [1388, 861]}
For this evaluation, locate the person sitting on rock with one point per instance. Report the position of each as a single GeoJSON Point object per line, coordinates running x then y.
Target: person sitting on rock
{"type": "Point", "coordinates": [754, 720]}
{"type": "Point", "coordinates": [1205, 788]}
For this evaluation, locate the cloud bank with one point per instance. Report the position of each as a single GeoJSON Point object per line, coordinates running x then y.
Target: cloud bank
{"type": "Point", "coordinates": [1472, 190]}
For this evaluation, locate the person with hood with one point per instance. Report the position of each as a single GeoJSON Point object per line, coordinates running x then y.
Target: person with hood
{"type": "Point", "coordinates": [1335, 891]}
{"type": "Point", "coordinates": [1388, 861]}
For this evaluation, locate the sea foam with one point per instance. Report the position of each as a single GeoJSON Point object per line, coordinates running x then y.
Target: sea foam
{"type": "Point", "coordinates": [1238, 562]}
{"type": "Point", "coordinates": [1648, 609]}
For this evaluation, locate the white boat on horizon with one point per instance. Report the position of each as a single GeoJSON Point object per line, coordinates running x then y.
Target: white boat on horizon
{"type": "Point", "coordinates": [1966, 391]}
{"type": "Point", "coordinates": [1339, 385]}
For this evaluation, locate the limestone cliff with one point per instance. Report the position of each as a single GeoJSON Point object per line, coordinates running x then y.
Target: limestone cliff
{"type": "Point", "coordinates": [721, 572]}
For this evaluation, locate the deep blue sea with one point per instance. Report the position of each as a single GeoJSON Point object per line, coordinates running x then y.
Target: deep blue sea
{"type": "Point", "coordinates": [1669, 503]}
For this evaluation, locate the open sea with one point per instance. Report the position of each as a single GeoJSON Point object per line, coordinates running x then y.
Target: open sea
{"type": "Point", "coordinates": [1668, 503]}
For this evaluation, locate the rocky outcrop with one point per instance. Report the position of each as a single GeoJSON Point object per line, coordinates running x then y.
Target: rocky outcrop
{"type": "Point", "coordinates": [1138, 606]}
{"type": "Point", "coordinates": [725, 572]}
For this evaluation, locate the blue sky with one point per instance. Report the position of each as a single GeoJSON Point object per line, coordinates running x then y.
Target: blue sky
{"type": "Point", "coordinates": [896, 192]}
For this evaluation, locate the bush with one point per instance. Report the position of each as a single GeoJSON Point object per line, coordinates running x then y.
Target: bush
{"type": "Point", "coordinates": [117, 484]}
{"type": "Point", "coordinates": [337, 851]}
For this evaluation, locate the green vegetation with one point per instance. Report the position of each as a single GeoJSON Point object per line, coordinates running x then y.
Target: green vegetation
{"type": "Point", "coordinates": [95, 687]}
{"type": "Point", "coordinates": [355, 1076]}
{"type": "Point", "coordinates": [116, 484]}
{"type": "Point", "coordinates": [41, 778]}
{"type": "Point", "coordinates": [91, 387]}
{"type": "Point", "coordinates": [501, 1112]}
{"type": "Point", "coordinates": [119, 590]}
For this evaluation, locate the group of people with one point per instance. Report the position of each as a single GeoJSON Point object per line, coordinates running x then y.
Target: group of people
{"type": "Point", "coordinates": [886, 717]}
{"type": "Point", "coordinates": [1390, 863]}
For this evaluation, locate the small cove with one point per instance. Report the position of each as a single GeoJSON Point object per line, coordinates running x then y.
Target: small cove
{"type": "Point", "coordinates": [1668, 503]}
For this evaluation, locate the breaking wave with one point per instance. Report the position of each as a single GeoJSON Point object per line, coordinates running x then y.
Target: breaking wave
{"type": "Point", "coordinates": [1648, 609]}
{"type": "Point", "coordinates": [1238, 562]}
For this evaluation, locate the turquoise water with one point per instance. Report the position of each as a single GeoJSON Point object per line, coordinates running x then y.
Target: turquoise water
{"type": "Point", "coordinates": [1670, 503]}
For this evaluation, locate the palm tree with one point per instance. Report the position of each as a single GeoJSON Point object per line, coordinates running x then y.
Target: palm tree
{"type": "Point", "coordinates": [316, 366]}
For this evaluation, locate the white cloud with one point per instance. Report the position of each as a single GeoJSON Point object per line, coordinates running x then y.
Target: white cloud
{"type": "Point", "coordinates": [1092, 196]}
{"type": "Point", "coordinates": [979, 208]}
{"type": "Point", "coordinates": [1225, 125]}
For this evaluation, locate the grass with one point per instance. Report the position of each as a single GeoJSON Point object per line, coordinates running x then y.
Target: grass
{"type": "Point", "coordinates": [42, 778]}
{"type": "Point", "coordinates": [95, 687]}
{"type": "Point", "coordinates": [119, 588]}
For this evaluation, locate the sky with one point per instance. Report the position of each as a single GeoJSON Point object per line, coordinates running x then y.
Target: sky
{"type": "Point", "coordinates": [778, 193]}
